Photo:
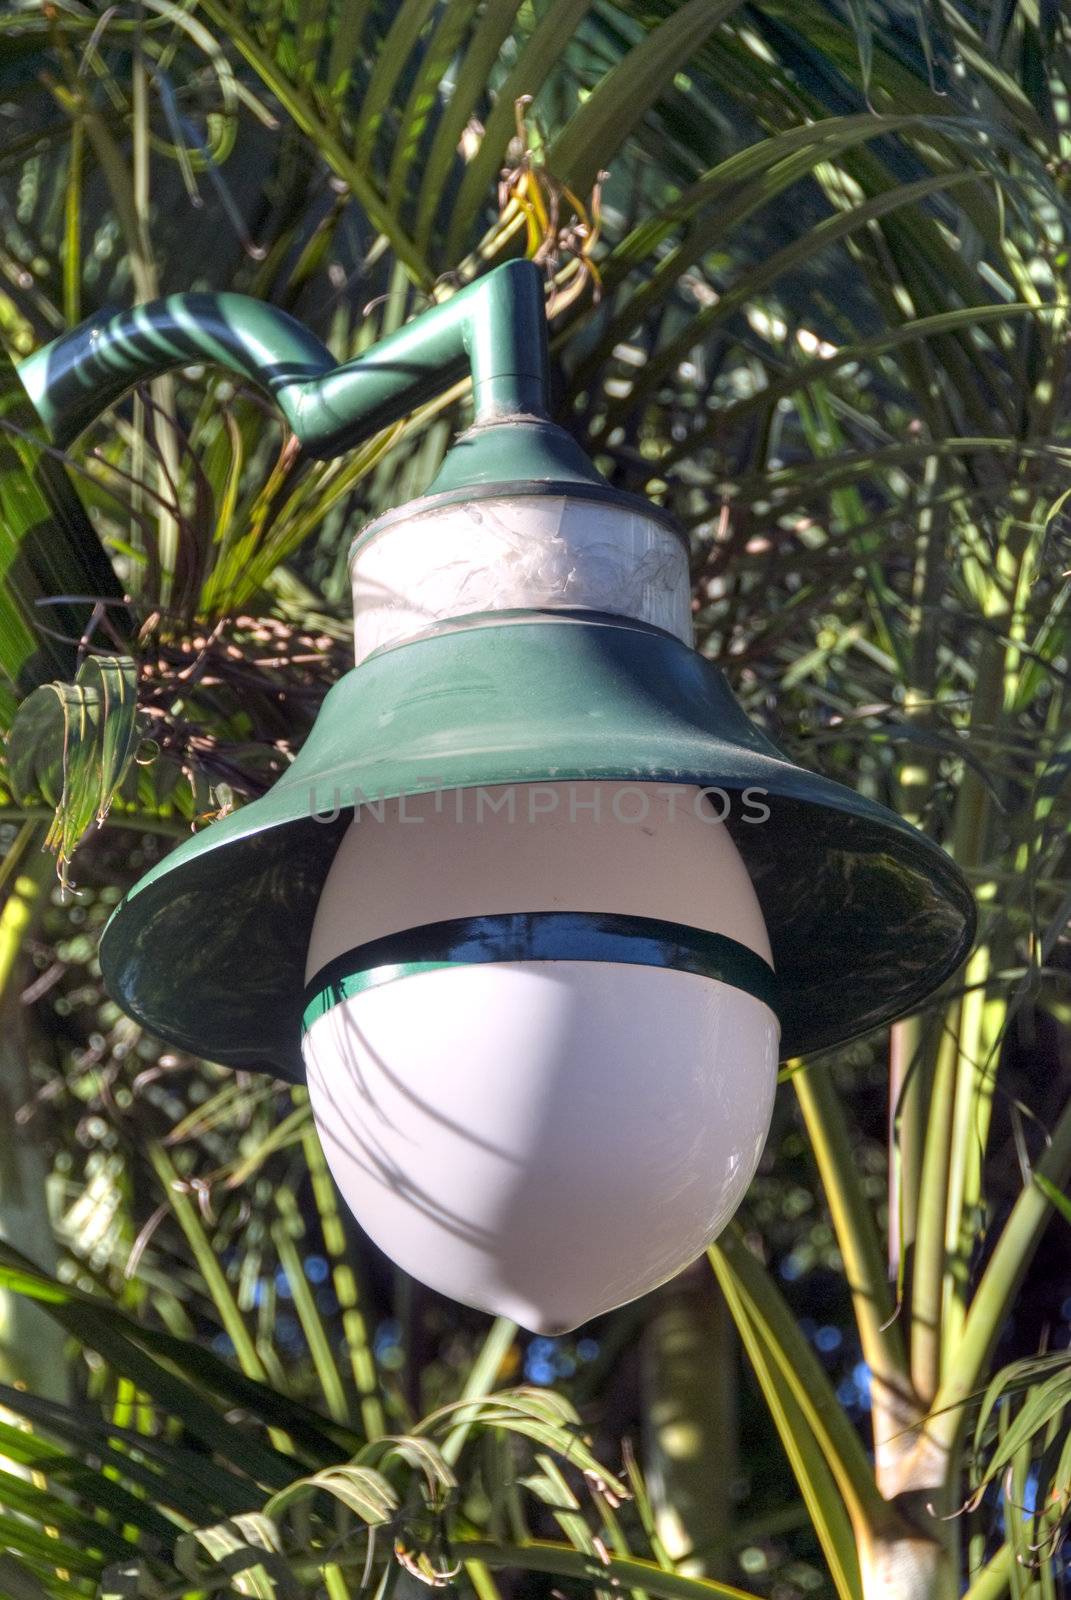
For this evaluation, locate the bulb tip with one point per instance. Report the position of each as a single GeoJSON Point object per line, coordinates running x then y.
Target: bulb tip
{"type": "Point", "coordinates": [543, 1324]}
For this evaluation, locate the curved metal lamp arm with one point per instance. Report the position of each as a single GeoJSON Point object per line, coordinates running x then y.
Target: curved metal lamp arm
{"type": "Point", "coordinates": [496, 327]}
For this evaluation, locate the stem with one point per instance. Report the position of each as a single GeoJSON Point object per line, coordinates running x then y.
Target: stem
{"type": "Point", "coordinates": [480, 1380]}
{"type": "Point", "coordinates": [929, 1259]}
{"type": "Point", "coordinates": [528, 1555]}
{"type": "Point", "coordinates": [344, 1283]}
{"type": "Point", "coordinates": [821, 1497]}
{"type": "Point", "coordinates": [72, 233]}
{"type": "Point", "coordinates": [1000, 1283]}
{"type": "Point", "coordinates": [839, 1443]}
{"type": "Point", "coordinates": [539, 1555]}
{"type": "Point", "coordinates": [141, 822]}
{"type": "Point", "coordinates": [208, 1265]}
{"type": "Point", "coordinates": [316, 1337]}
{"type": "Point", "coordinates": [911, 1055]}
{"type": "Point", "coordinates": [952, 1099]}
{"type": "Point", "coordinates": [1003, 609]}
{"type": "Point", "coordinates": [994, 1578]}
{"type": "Point", "coordinates": [970, 1124]}
{"type": "Point", "coordinates": [857, 1238]}
{"type": "Point", "coordinates": [910, 1083]}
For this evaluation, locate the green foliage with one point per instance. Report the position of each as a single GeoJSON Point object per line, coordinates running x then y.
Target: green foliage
{"type": "Point", "coordinates": [71, 744]}
{"type": "Point", "coordinates": [54, 577]}
{"type": "Point", "coordinates": [285, 1524]}
{"type": "Point", "coordinates": [831, 337]}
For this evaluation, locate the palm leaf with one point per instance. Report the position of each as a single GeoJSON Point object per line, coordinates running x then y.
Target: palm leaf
{"type": "Point", "coordinates": [53, 571]}
{"type": "Point", "coordinates": [817, 1481]}
{"type": "Point", "coordinates": [536, 58]}
{"type": "Point", "coordinates": [70, 746]}
{"type": "Point", "coordinates": [470, 85]}
{"type": "Point", "coordinates": [622, 97]}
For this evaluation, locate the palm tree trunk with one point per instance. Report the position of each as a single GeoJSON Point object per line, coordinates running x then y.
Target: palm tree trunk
{"type": "Point", "coordinates": [690, 1380]}
{"type": "Point", "coordinates": [920, 1561]}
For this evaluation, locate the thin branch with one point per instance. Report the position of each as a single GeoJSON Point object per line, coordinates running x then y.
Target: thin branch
{"type": "Point", "coordinates": [929, 1260]}
{"type": "Point", "coordinates": [894, 1402]}
{"type": "Point", "coordinates": [994, 1578]}
{"type": "Point", "coordinates": [840, 1444]}
{"type": "Point", "coordinates": [854, 1225]}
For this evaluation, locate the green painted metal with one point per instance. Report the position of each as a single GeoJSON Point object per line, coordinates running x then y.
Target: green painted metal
{"type": "Point", "coordinates": [539, 936]}
{"type": "Point", "coordinates": [495, 327]}
{"type": "Point", "coordinates": [541, 458]}
{"type": "Point", "coordinates": [866, 916]}
{"type": "Point", "coordinates": [535, 450]}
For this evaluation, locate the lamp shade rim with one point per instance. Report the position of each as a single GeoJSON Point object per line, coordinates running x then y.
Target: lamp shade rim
{"type": "Point", "coordinates": [866, 915]}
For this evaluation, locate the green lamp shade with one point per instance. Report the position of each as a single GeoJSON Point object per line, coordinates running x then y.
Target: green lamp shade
{"type": "Point", "coordinates": [866, 916]}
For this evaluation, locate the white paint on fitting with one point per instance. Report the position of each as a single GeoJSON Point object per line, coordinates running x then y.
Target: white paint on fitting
{"type": "Point", "coordinates": [526, 553]}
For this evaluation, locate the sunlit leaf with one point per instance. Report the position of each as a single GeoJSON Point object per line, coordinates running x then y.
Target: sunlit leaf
{"type": "Point", "coordinates": [70, 745]}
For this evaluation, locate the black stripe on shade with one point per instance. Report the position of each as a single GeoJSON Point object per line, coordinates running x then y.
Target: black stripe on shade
{"type": "Point", "coordinates": [540, 936]}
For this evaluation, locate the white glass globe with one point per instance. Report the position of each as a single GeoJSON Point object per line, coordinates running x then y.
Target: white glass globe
{"type": "Point", "coordinates": [544, 1139]}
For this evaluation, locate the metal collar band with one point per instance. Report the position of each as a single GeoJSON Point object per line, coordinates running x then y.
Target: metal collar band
{"type": "Point", "coordinates": [518, 489]}
{"type": "Point", "coordinates": [540, 936]}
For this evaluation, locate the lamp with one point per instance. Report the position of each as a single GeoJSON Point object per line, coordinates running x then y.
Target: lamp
{"type": "Point", "coordinates": [536, 909]}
